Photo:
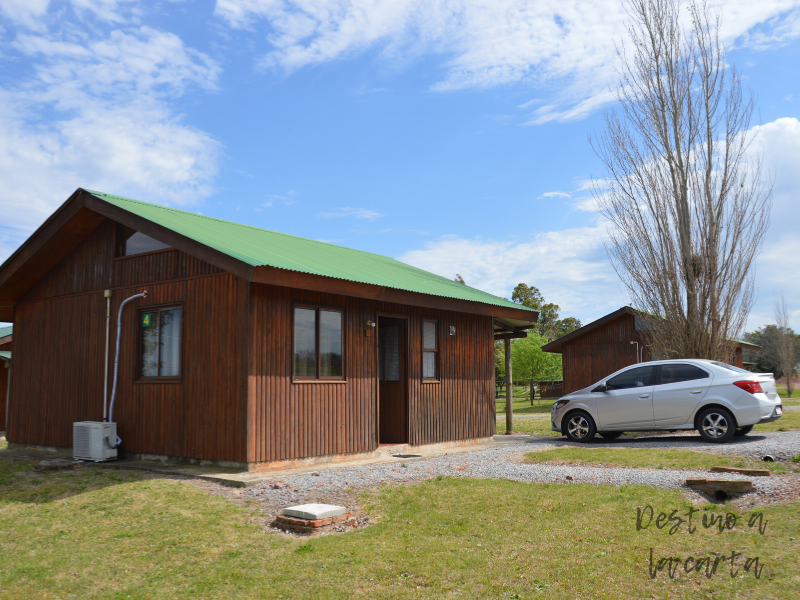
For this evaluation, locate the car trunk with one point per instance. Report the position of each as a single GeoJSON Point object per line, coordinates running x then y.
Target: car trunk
{"type": "Point", "coordinates": [767, 382]}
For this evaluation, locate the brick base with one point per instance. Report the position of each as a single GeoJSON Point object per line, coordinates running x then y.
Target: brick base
{"type": "Point", "coordinates": [314, 526]}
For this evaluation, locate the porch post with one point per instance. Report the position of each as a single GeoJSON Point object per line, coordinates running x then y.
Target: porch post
{"type": "Point", "coordinates": [509, 390]}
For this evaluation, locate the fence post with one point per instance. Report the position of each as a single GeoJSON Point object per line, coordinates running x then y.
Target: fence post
{"type": "Point", "coordinates": [509, 390]}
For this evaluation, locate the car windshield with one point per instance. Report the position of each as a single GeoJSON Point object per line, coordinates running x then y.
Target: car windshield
{"type": "Point", "coordinates": [731, 367]}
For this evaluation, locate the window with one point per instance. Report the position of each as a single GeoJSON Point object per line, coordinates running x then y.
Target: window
{"type": "Point", "coordinates": [675, 373]}
{"type": "Point", "coordinates": [160, 343]}
{"type": "Point", "coordinates": [130, 241]}
{"type": "Point", "coordinates": [731, 367]}
{"type": "Point", "coordinates": [637, 377]}
{"type": "Point", "coordinates": [430, 349]}
{"type": "Point", "coordinates": [318, 343]}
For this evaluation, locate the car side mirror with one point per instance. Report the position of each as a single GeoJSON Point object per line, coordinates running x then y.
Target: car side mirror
{"type": "Point", "coordinates": [601, 388]}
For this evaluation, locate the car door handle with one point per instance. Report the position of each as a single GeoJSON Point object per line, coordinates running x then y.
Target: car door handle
{"type": "Point", "coordinates": [644, 395]}
{"type": "Point", "coordinates": [696, 392]}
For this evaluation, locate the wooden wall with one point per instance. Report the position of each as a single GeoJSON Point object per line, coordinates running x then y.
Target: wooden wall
{"type": "Point", "coordinates": [59, 351]}
{"type": "Point", "coordinates": [236, 400]}
{"type": "Point", "coordinates": [3, 385]}
{"type": "Point", "coordinates": [600, 352]}
{"type": "Point", "coordinates": [294, 420]}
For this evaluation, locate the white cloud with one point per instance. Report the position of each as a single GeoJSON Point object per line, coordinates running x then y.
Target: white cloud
{"type": "Point", "coordinates": [97, 113]}
{"type": "Point", "coordinates": [346, 211]}
{"type": "Point", "coordinates": [568, 45]}
{"type": "Point", "coordinates": [24, 12]}
{"type": "Point", "coordinates": [569, 267]}
{"type": "Point", "coordinates": [554, 195]}
{"type": "Point", "coordinates": [779, 263]}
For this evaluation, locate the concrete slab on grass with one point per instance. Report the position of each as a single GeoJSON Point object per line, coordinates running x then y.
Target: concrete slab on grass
{"type": "Point", "coordinates": [314, 511]}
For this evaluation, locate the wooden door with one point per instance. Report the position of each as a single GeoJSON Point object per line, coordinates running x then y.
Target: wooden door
{"type": "Point", "coordinates": [393, 380]}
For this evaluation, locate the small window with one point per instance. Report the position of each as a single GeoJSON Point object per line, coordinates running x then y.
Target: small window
{"type": "Point", "coordinates": [676, 373]}
{"type": "Point", "coordinates": [132, 242]}
{"type": "Point", "coordinates": [160, 343]}
{"type": "Point", "coordinates": [731, 367]}
{"type": "Point", "coordinates": [638, 377]}
{"type": "Point", "coordinates": [318, 343]}
{"type": "Point", "coordinates": [430, 349]}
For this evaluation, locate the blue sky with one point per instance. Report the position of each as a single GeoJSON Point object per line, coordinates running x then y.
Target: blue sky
{"type": "Point", "coordinates": [450, 135]}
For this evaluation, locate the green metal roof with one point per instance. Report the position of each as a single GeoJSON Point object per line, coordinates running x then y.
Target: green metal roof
{"type": "Point", "coordinates": [262, 247]}
{"type": "Point", "coordinates": [4, 331]}
{"type": "Point", "coordinates": [5, 355]}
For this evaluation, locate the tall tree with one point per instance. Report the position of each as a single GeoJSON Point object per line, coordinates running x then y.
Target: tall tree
{"type": "Point", "coordinates": [786, 343]}
{"type": "Point", "coordinates": [767, 359]}
{"type": "Point", "coordinates": [688, 207]}
{"type": "Point", "coordinates": [549, 325]}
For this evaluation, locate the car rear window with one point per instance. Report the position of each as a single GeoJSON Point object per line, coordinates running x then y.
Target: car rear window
{"type": "Point", "coordinates": [638, 377]}
{"type": "Point", "coordinates": [677, 372]}
{"type": "Point", "coordinates": [730, 367]}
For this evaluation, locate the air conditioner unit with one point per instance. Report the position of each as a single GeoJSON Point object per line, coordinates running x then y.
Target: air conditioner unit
{"type": "Point", "coordinates": [93, 440]}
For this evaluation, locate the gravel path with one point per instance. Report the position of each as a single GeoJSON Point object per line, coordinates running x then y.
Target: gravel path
{"type": "Point", "coordinates": [504, 462]}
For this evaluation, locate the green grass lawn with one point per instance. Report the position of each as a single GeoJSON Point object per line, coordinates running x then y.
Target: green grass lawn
{"type": "Point", "coordinates": [522, 405]}
{"type": "Point", "coordinates": [533, 426]}
{"type": "Point", "coordinates": [105, 534]}
{"type": "Point", "coordinates": [790, 421]}
{"type": "Point", "coordinates": [649, 458]}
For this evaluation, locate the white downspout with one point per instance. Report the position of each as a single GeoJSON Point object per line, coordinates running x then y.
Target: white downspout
{"type": "Point", "coordinates": [116, 362]}
{"type": "Point", "coordinates": [105, 371]}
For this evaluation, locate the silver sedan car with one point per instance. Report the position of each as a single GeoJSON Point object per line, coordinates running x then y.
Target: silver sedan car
{"type": "Point", "coordinates": [717, 399]}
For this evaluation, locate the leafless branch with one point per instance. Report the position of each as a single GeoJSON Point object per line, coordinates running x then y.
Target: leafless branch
{"type": "Point", "coordinates": [687, 205]}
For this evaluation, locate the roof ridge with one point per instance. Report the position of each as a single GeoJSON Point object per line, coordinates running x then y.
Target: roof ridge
{"type": "Point", "coordinates": [289, 235]}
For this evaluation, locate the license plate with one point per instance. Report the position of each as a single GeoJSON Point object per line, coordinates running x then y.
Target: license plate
{"type": "Point", "coordinates": [778, 411]}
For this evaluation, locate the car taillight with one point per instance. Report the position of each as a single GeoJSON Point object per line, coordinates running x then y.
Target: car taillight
{"type": "Point", "coordinates": [749, 386]}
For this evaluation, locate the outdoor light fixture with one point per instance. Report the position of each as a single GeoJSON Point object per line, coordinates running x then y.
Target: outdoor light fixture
{"type": "Point", "coordinates": [368, 330]}
{"type": "Point", "coordinates": [637, 350]}
{"type": "Point", "coordinates": [452, 330]}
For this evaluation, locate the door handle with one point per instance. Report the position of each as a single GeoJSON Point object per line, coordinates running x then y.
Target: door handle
{"type": "Point", "coordinates": [696, 392]}
{"type": "Point", "coordinates": [644, 395]}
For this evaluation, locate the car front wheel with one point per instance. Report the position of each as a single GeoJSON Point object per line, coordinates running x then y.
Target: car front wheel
{"type": "Point", "coordinates": [743, 430]}
{"type": "Point", "coordinates": [579, 426]}
{"type": "Point", "coordinates": [716, 425]}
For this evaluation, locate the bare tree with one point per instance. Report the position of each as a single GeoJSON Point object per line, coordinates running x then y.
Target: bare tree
{"type": "Point", "coordinates": [786, 343]}
{"type": "Point", "coordinates": [688, 207]}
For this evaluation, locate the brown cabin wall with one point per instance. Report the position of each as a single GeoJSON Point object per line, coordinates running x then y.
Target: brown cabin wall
{"type": "Point", "coordinates": [600, 352]}
{"type": "Point", "coordinates": [3, 385]}
{"type": "Point", "coordinates": [59, 353]}
{"type": "Point", "coordinates": [294, 420]}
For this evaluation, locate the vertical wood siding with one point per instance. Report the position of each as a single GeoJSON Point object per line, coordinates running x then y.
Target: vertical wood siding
{"type": "Point", "coordinates": [3, 385]}
{"type": "Point", "coordinates": [294, 420]}
{"type": "Point", "coordinates": [236, 399]}
{"type": "Point", "coordinates": [59, 353]}
{"type": "Point", "coordinates": [600, 352]}
{"type": "Point", "coordinates": [92, 266]}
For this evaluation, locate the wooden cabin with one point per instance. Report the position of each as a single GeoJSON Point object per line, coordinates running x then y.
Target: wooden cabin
{"type": "Point", "coordinates": [251, 346]}
{"type": "Point", "coordinates": [6, 335]}
{"type": "Point", "coordinates": [604, 346]}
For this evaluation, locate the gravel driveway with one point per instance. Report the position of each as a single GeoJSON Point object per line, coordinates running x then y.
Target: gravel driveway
{"type": "Point", "coordinates": [504, 462]}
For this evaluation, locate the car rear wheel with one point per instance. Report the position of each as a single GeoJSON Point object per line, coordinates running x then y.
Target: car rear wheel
{"type": "Point", "coordinates": [743, 430]}
{"type": "Point", "coordinates": [716, 425]}
{"type": "Point", "coordinates": [579, 426]}
{"type": "Point", "coordinates": [611, 435]}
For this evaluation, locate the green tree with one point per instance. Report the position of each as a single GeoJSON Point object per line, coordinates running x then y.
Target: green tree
{"type": "Point", "coordinates": [767, 360]}
{"type": "Point", "coordinates": [549, 325]}
{"type": "Point", "coordinates": [528, 360]}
